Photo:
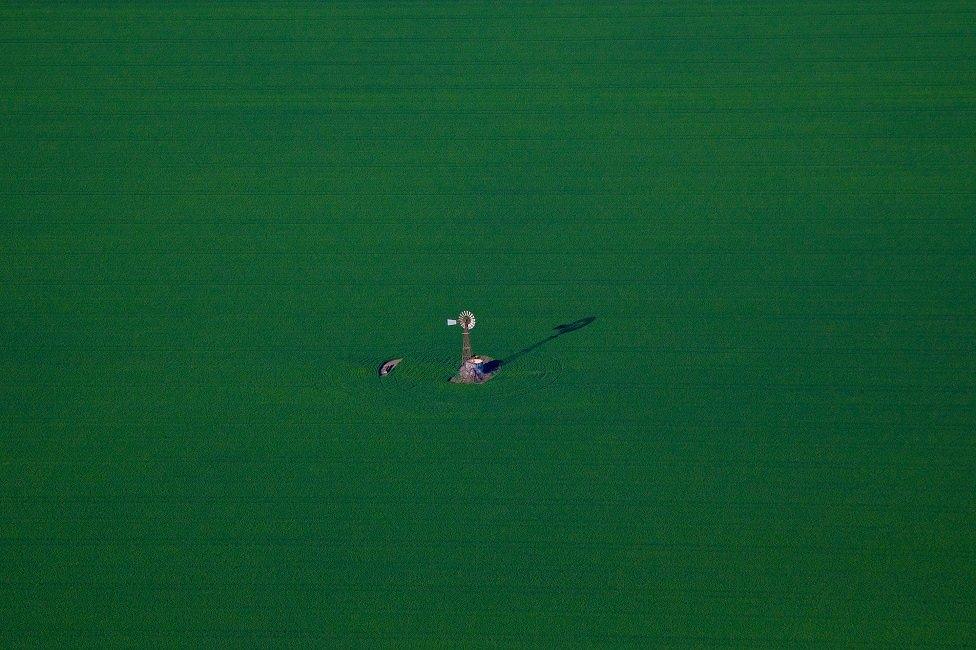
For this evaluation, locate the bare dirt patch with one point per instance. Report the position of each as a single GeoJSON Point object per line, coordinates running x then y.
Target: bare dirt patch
{"type": "Point", "coordinates": [476, 370]}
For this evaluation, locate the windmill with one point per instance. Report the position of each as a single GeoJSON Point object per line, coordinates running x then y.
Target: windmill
{"type": "Point", "coordinates": [466, 320]}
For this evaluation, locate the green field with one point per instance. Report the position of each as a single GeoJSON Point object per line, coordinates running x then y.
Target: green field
{"type": "Point", "coordinates": [218, 219]}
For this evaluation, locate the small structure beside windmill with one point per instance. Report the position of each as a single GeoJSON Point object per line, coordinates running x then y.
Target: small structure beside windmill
{"type": "Point", "coordinates": [475, 369]}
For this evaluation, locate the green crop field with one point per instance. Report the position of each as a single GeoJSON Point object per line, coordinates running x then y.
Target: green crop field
{"type": "Point", "coordinates": [218, 219]}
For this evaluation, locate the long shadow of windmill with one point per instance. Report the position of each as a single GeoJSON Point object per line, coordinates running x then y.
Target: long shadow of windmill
{"type": "Point", "coordinates": [565, 328]}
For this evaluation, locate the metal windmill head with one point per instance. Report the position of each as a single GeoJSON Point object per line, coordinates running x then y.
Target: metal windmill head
{"type": "Point", "coordinates": [466, 320]}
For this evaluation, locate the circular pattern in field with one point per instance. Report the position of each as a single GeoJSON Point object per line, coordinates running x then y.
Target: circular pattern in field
{"type": "Point", "coordinates": [431, 373]}
{"type": "Point", "coordinates": [420, 371]}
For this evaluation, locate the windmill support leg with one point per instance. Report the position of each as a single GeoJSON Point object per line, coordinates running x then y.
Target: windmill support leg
{"type": "Point", "coordinates": [465, 346]}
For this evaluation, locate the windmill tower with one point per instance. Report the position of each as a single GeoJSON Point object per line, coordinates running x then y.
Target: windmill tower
{"type": "Point", "coordinates": [466, 320]}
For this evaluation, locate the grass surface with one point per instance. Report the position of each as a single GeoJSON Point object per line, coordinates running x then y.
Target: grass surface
{"type": "Point", "coordinates": [218, 220]}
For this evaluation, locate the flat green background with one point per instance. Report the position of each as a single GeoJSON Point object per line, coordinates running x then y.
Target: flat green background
{"type": "Point", "coordinates": [217, 220]}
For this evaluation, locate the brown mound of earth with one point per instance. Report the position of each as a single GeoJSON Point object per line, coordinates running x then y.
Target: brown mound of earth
{"type": "Point", "coordinates": [387, 367]}
{"type": "Point", "coordinates": [472, 371]}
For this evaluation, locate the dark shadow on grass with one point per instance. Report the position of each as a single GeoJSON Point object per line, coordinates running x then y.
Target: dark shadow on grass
{"type": "Point", "coordinates": [565, 328]}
